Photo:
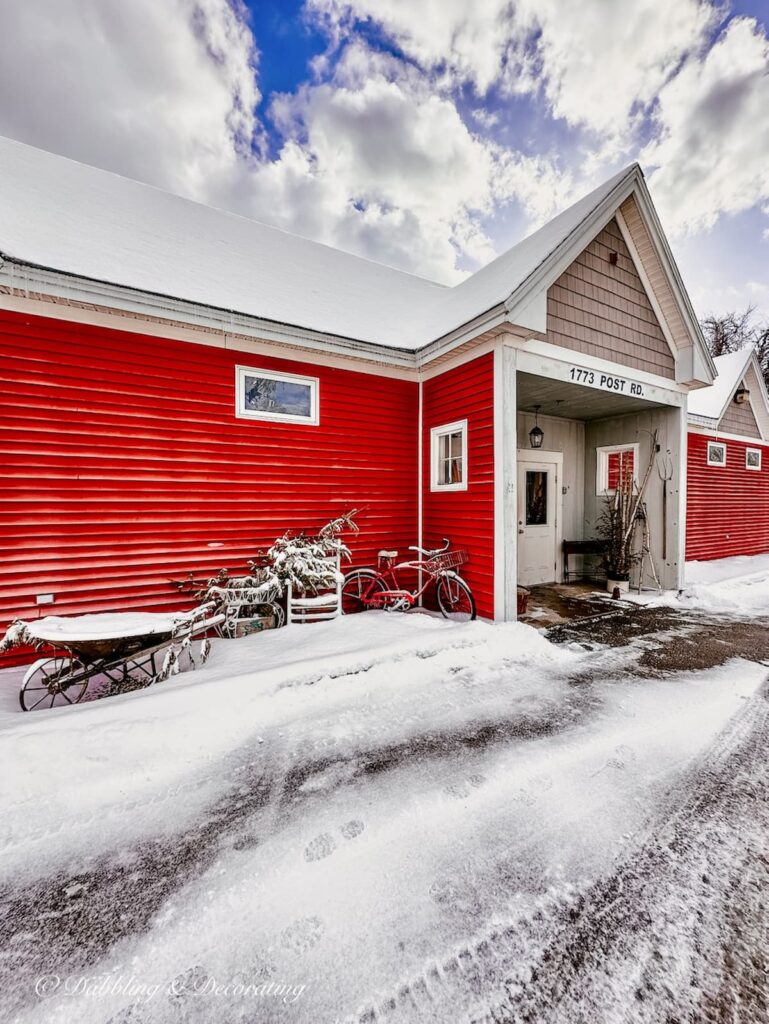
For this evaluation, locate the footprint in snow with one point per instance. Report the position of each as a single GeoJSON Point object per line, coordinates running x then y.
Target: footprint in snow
{"type": "Point", "coordinates": [319, 847]}
{"type": "Point", "coordinates": [187, 983]}
{"type": "Point", "coordinates": [624, 757]}
{"type": "Point", "coordinates": [302, 935]}
{"type": "Point", "coordinates": [462, 790]}
{"type": "Point", "coordinates": [325, 844]}
{"type": "Point", "coordinates": [259, 968]}
{"type": "Point", "coordinates": [351, 829]}
{"type": "Point", "coordinates": [246, 842]}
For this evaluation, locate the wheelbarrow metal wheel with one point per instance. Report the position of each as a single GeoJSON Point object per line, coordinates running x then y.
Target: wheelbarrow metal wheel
{"type": "Point", "coordinates": [45, 683]}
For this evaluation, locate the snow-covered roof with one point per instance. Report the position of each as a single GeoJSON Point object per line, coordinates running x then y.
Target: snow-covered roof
{"type": "Point", "coordinates": [64, 216]}
{"type": "Point", "coordinates": [711, 402]}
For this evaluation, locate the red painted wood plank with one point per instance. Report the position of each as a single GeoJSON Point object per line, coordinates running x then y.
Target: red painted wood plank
{"type": "Point", "coordinates": [727, 507]}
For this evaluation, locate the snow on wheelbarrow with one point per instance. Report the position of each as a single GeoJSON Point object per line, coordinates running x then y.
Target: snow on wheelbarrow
{"type": "Point", "coordinates": [116, 652]}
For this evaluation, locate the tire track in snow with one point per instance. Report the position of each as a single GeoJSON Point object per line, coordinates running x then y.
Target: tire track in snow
{"type": "Point", "coordinates": [578, 955]}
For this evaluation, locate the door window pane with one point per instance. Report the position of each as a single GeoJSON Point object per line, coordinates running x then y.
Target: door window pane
{"type": "Point", "coordinates": [536, 497]}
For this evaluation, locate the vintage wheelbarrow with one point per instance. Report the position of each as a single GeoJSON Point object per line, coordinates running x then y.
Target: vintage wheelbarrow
{"type": "Point", "coordinates": [123, 651]}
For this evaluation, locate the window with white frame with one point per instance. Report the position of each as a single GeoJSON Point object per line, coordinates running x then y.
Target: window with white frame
{"type": "Point", "coordinates": [615, 464]}
{"type": "Point", "coordinates": [752, 458]}
{"type": "Point", "coordinates": [280, 397]}
{"type": "Point", "coordinates": [448, 456]}
{"type": "Point", "coordinates": [716, 453]}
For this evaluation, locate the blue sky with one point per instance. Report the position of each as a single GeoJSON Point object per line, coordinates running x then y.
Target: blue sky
{"type": "Point", "coordinates": [427, 134]}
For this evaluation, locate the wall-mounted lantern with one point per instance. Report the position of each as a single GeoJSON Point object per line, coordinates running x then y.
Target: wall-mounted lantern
{"type": "Point", "coordinates": [536, 434]}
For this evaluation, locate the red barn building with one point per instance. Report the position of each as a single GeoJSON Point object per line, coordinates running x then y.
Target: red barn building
{"type": "Point", "coordinates": [181, 385]}
{"type": "Point", "coordinates": [728, 460]}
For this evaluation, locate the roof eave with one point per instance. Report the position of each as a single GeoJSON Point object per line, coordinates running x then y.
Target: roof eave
{"type": "Point", "coordinates": [67, 286]}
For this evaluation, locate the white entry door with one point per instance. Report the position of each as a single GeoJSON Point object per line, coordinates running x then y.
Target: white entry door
{"type": "Point", "coordinates": [538, 511]}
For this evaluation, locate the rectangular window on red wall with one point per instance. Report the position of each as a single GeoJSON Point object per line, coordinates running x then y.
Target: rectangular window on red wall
{"type": "Point", "coordinates": [716, 453]}
{"type": "Point", "coordinates": [448, 453]}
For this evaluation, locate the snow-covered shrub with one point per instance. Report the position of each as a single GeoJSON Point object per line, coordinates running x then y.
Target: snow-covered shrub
{"type": "Point", "coordinates": [305, 560]}
{"type": "Point", "coordinates": [17, 635]}
{"type": "Point", "coordinates": [301, 559]}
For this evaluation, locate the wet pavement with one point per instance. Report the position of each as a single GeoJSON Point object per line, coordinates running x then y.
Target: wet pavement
{"type": "Point", "coordinates": [666, 639]}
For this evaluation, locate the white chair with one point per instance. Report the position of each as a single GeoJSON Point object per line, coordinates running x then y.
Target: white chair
{"type": "Point", "coordinates": [318, 607]}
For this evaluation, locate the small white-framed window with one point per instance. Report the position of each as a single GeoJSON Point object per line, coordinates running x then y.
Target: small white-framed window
{"type": "Point", "coordinates": [614, 463]}
{"type": "Point", "coordinates": [716, 453]}
{"type": "Point", "coordinates": [279, 397]}
{"type": "Point", "coordinates": [448, 457]}
{"type": "Point", "coordinates": [752, 458]}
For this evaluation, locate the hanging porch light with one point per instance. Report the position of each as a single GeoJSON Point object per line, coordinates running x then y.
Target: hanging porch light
{"type": "Point", "coordinates": [536, 434]}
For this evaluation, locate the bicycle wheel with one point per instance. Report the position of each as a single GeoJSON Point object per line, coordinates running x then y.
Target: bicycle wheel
{"type": "Point", "coordinates": [357, 585]}
{"type": "Point", "coordinates": [46, 683]}
{"type": "Point", "coordinates": [455, 599]}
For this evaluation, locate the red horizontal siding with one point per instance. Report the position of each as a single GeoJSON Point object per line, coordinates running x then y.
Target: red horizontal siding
{"type": "Point", "coordinates": [124, 460]}
{"type": "Point", "coordinates": [727, 508]}
{"type": "Point", "coordinates": [466, 517]}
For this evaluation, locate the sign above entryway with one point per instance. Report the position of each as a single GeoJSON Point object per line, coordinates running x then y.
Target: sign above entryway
{"type": "Point", "coordinates": [606, 381]}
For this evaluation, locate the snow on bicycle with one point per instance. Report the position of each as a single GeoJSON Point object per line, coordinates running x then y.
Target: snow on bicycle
{"type": "Point", "coordinates": [436, 574]}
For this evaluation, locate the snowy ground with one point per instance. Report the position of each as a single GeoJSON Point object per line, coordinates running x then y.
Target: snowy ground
{"type": "Point", "coordinates": [735, 586]}
{"type": "Point", "coordinates": [394, 818]}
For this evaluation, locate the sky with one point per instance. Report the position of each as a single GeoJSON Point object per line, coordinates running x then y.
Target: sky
{"type": "Point", "coordinates": [430, 135]}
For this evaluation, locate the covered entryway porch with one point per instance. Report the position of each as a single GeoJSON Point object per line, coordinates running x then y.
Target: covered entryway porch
{"type": "Point", "coordinates": [574, 437]}
{"type": "Point", "coordinates": [585, 437]}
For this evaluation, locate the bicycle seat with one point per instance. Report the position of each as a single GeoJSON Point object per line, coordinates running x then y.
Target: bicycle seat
{"type": "Point", "coordinates": [388, 554]}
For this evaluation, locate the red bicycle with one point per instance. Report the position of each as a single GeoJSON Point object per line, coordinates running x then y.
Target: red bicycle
{"type": "Point", "coordinates": [381, 587]}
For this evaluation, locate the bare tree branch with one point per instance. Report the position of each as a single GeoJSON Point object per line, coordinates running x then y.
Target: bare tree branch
{"type": "Point", "coordinates": [733, 331]}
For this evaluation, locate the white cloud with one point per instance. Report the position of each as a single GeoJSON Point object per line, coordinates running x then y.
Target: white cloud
{"type": "Point", "coordinates": [373, 154]}
{"type": "Point", "coordinates": [713, 132]}
{"type": "Point", "coordinates": [468, 39]}
{"type": "Point", "coordinates": [598, 65]}
{"type": "Point", "coordinates": [376, 162]}
{"type": "Point", "coordinates": [602, 64]}
{"type": "Point", "coordinates": [162, 92]}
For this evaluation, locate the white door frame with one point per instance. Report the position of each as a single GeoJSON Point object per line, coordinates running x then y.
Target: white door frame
{"type": "Point", "coordinates": [541, 455]}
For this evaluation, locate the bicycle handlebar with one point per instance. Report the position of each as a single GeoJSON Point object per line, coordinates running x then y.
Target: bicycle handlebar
{"type": "Point", "coordinates": [436, 551]}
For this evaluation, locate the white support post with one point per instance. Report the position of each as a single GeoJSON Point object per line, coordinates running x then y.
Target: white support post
{"type": "Point", "coordinates": [505, 462]}
{"type": "Point", "coordinates": [682, 467]}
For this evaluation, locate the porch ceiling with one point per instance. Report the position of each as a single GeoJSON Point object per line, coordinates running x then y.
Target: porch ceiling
{"type": "Point", "coordinates": [572, 401]}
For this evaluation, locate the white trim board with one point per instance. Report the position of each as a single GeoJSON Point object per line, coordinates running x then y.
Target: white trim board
{"type": "Point", "coordinates": [720, 435]}
{"type": "Point", "coordinates": [505, 486]}
{"type": "Point", "coordinates": [543, 364]}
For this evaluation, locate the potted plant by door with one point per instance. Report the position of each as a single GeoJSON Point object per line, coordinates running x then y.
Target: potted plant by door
{"type": "Point", "coordinates": [616, 525]}
{"type": "Point", "coordinates": [618, 554]}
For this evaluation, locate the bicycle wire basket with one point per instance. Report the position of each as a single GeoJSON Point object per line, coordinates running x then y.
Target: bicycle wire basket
{"type": "Point", "coordinates": [447, 560]}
